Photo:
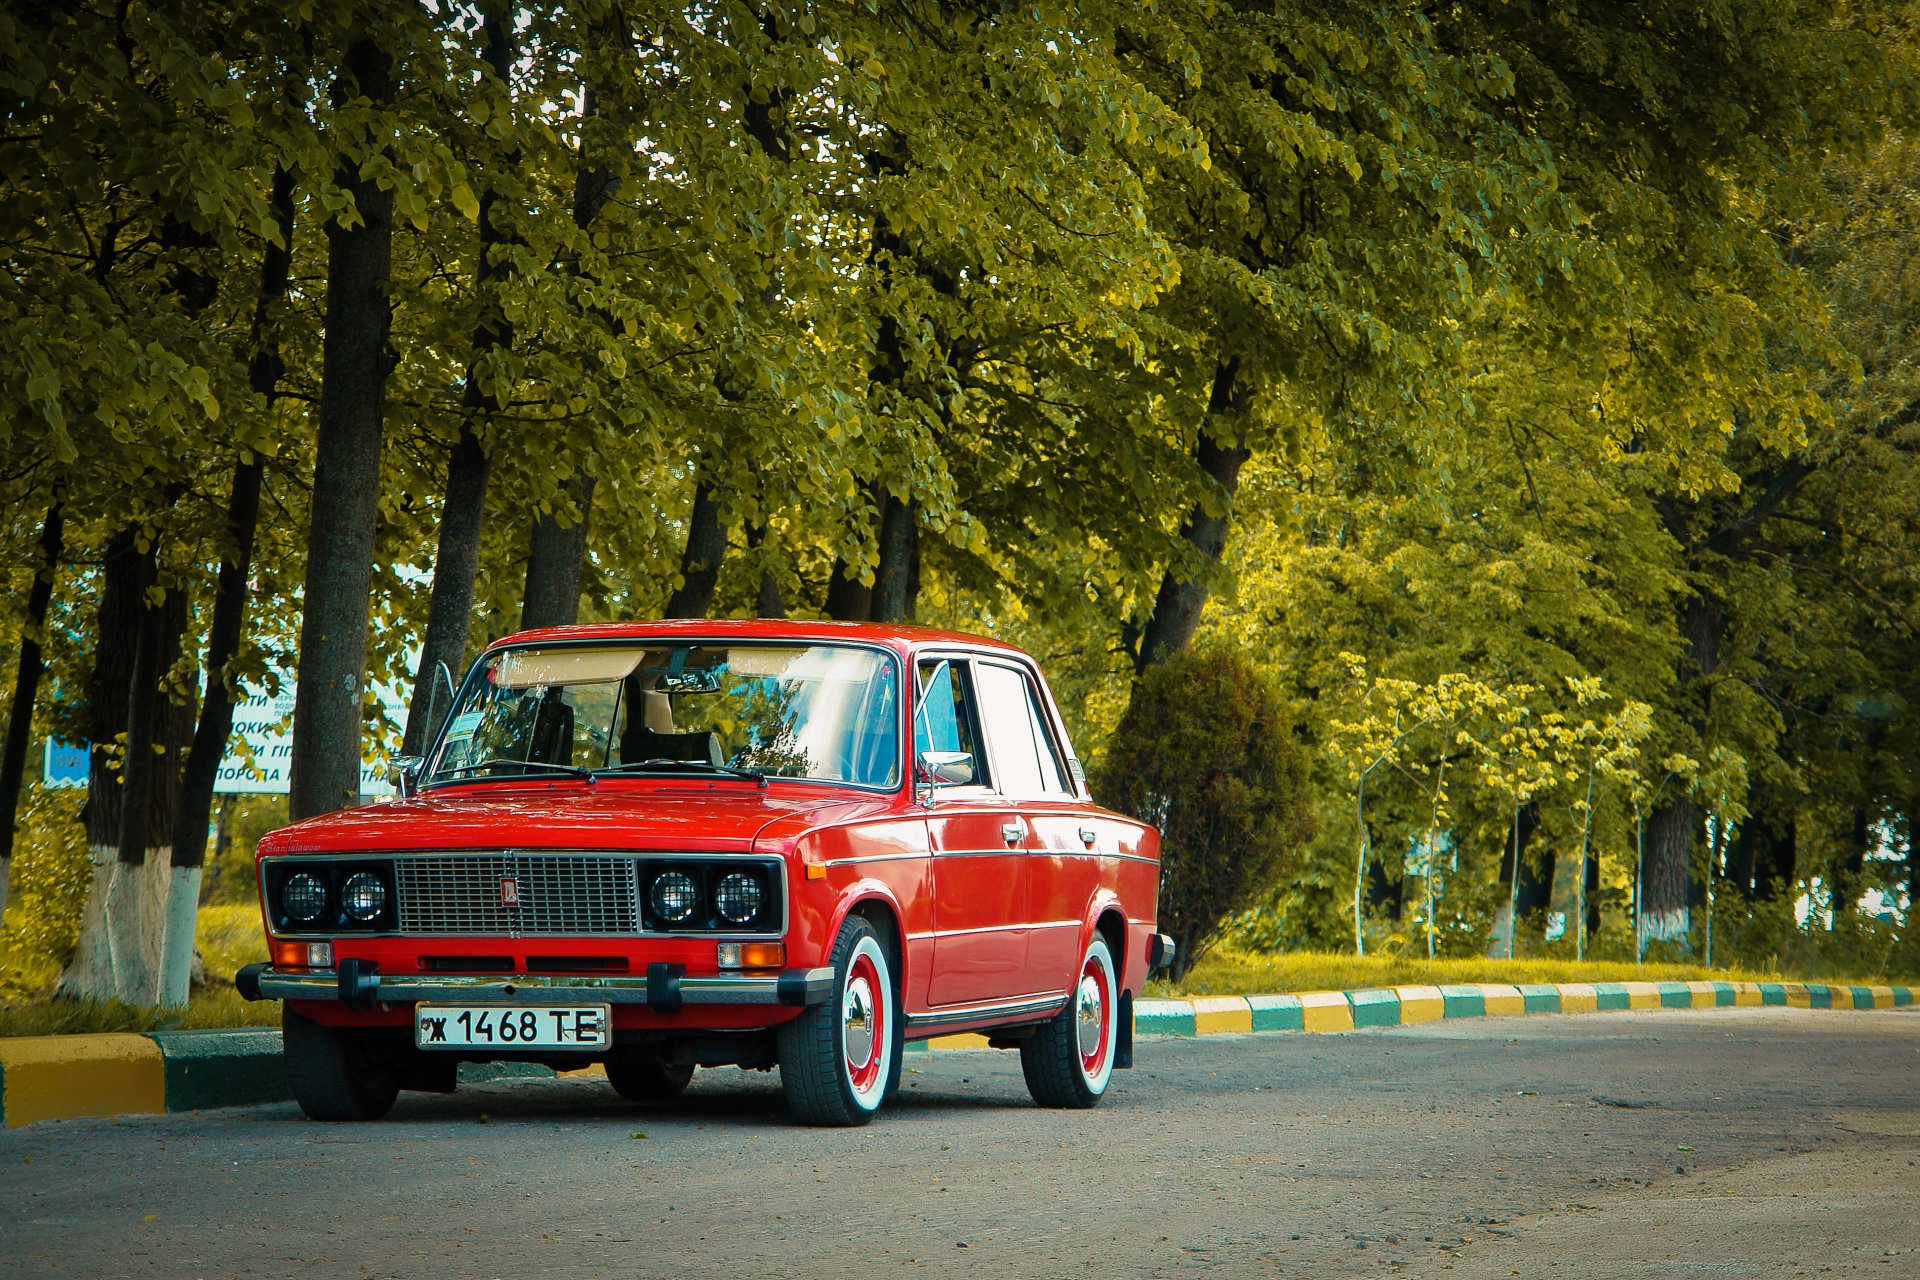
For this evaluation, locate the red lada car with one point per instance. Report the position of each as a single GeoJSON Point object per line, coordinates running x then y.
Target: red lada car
{"type": "Point", "coordinates": [662, 846]}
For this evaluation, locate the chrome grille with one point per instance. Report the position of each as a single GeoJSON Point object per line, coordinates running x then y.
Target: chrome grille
{"type": "Point", "coordinates": [560, 893]}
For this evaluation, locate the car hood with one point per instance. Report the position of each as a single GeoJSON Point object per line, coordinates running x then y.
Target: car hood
{"type": "Point", "coordinates": [676, 816]}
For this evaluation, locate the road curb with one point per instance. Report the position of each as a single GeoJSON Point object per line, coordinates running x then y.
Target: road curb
{"type": "Point", "coordinates": [67, 1077]}
{"type": "Point", "coordinates": [1323, 1011]}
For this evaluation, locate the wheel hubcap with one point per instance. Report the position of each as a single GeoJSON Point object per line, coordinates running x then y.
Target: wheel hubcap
{"type": "Point", "coordinates": [856, 1014]}
{"type": "Point", "coordinates": [1090, 1016]}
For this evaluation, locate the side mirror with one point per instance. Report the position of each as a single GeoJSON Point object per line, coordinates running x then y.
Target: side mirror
{"type": "Point", "coordinates": [946, 768]}
{"type": "Point", "coordinates": [405, 774]}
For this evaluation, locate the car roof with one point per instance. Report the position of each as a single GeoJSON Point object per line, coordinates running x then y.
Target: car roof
{"type": "Point", "coordinates": [898, 636]}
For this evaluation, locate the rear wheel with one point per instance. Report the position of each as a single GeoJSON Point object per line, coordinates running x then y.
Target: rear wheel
{"type": "Point", "coordinates": [838, 1058]}
{"type": "Point", "coordinates": [1069, 1061]}
{"type": "Point", "coordinates": [338, 1073]}
{"type": "Point", "coordinates": [647, 1081]}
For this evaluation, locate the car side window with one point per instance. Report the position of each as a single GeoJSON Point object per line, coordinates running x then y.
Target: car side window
{"type": "Point", "coordinates": [945, 719]}
{"type": "Point", "coordinates": [1024, 760]}
{"type": "Point", "coordinates": [1053, 776]}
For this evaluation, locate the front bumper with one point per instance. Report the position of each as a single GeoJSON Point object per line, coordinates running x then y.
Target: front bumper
{"type": "Point", "coordinates": [664, 989]}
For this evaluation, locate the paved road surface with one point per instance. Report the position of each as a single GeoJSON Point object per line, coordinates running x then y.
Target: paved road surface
{"type": "Point", "coordinates": [1764, 1142]}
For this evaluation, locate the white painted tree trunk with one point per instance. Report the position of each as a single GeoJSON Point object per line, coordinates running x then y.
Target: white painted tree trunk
{"type": "Point", "coordinates": [137, 926]}
{"type": "Point", "coordinates": [1500, 939]}
{"type": "Point", "coordinates": [89, 975]}
{"type": "Point", "coordinates": [1664, 926]}
{"type": "Point", "coordinates": [182, 910]}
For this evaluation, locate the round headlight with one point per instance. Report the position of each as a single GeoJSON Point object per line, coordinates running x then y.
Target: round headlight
{"type": "Point", "coordinates": [738, 898]}
{"type": "Point", "coordinates": [303, 897]}
{"type": "Point", "coordinates": [364, 896]}
{"type": "Point", "coordinates": [674, 896]}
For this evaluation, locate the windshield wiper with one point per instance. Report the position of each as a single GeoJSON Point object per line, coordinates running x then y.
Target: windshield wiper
{"type": "Point", "coordinates": [499, 762]}
{"type": "Point", "coordinates": [704, 766]}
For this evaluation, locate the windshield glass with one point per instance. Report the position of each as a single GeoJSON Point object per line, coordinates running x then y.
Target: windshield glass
{"type": "Point", "coordinates": [826, 712]}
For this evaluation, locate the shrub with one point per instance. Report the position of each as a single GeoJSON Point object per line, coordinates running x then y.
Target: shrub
{"type": "Point", "coordinates": [51, 876]}
{"type": "Point", "coordinates": [1207, 752]}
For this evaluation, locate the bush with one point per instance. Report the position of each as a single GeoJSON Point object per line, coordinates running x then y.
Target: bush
{"type": "Point", "coordinates": [1207, 752]}
{"type": "Point", "coordinates": [51, 875]}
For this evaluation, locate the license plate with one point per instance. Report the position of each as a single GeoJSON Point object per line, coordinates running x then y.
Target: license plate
{"type": "Point", "coordinates": [483, 1026]}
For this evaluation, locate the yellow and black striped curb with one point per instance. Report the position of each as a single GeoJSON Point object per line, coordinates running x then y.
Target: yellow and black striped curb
{"type": "Point", "coordinates": [1399, 1006]}
{"type": "Point", "coordinates": [64, 1077]}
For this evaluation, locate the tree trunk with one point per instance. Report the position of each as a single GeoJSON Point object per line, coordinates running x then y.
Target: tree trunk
{"type": "Point", "coordinates": [896, 577]}
{"type": "Point", "coordinates": [1183, 591]}
{"type": "Point", "coordinates": [136, 897]}
{"type": "Point", "coordinates": [555, 558]}
{"type": "Point", "coordinates": [1592, 896]}
{"type": "Point", "coordinates": [336, 600]}
{"type": "Point", "coordinates": [700, 560]}
{"type": "Point", "coordinates": [1533, 891]}
{"type": "Point", "coordinates": [1776, 860]}
{"type": "Point", "coordinates": [848, 599]}
{"type": "Point", "coordinates": [26, 686]}
{"type": "Point", "coordinates": [228, 625]}
{"type": "Point", "coordinates": [767, 601]}
{"type": "Point", "coordinates": [1667, 876]}
{"type": "Point", "coordinates": [123, 586]}
{"type": "Point", "coordinates": [456, 559]}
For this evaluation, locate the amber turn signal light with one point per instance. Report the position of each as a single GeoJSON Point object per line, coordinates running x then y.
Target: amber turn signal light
{"type": "Point", "coordinates": [752, 955]}
{"type": "Point", "coordinates": [302, 955]}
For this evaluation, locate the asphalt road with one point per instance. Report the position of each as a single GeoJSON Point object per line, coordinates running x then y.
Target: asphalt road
{"type": "Point", "coordinates": [1762, 1142]}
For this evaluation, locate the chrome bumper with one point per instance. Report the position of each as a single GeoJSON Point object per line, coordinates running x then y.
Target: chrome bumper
{"type": "Point", "coordinates": [665, 988]}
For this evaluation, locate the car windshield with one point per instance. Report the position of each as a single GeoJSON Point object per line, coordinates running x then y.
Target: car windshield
{"type": "Point", "coordinates": [766, 710]}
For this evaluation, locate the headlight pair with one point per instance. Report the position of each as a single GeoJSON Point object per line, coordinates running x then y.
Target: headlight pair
{"type": "Point", "coordinates": [706, 897]}
{"type": "Point", "coordinates": [317, 896]}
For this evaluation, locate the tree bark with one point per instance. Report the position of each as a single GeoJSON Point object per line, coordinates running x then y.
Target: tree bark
{"type": "Point", "coordinates": [1667, 876]}
{"type": "Point", "coordinates": [700, 560]}
{"type": "Point", "coordinates": [26, 686]}
{"type": "Point", "coordinates": [456, 559]}
{"type": "Point", "coordinates": [1776, 859]}
{"type": "Point", "coordinates": [848, 599]}
{"type": "Point", "coordinates": [228, 625]}
{"type": "Point", "coordinates": [768, 602]}
{"type": "Point", "coordinates": [215, 727]}
{"type": "Point", "coordinates": [123, 585]}
{"type": "Point", "coordinates": [1183, 592]}
{"type": "Point", "coordinates": [896, 577]}
{"type": "Point", "coordinates": [336, 600]}
{"type": "Point", "coordinates": [555, 559]}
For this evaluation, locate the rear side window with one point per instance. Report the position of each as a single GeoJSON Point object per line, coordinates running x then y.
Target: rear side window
{"type": "Point", "coordinates": [1026, 762]}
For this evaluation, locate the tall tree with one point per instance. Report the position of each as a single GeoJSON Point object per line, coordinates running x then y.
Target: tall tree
{"type": "Point", "coordinates": [336, 599]}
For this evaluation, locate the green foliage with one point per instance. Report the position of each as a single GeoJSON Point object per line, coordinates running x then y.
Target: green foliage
{"type": "Point", "coordinates": [51, 876]}
{"type": "Point", "coordinates": [1570, 345]}
{"type": "Point", "coordinates": [1208, 753]}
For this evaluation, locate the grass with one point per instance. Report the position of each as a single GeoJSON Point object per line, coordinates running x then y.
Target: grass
{"type": "Point", "coordinates": [227, 936]}
{"type": "Point", "coordinates": [1223, 972]}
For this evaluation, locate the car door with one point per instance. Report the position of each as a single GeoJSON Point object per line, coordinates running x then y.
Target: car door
{"type": "Point", "coordinates": [979, 842]}
{"type": "Point", "coordinates": [1030, 769]}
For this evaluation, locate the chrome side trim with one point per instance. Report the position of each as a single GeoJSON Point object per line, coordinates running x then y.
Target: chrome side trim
{"type": "Point", "coordinates": [534, 988]}
{"type": "Point", "coordinates": [1047, 1003]}
{"type": "Point", "coordinates": [874, 857]}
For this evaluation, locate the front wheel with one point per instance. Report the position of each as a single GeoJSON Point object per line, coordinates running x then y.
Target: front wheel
{"type": "Point", "coordinates": [1069, 1061]}
{"type": "Point", "coordinates": [337, 1073]}
{"type": "Point", "coordinates": [837, 1058]}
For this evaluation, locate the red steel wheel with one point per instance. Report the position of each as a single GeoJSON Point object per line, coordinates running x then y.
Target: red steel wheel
{"type": "Point", "coordinates": [1069, 1061]}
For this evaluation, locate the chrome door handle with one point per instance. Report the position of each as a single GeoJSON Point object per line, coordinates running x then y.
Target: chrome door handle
{"type": "Point", "coordinates": [1011, 832]}
{"type": "Point", "coordinates": [1088, 835]}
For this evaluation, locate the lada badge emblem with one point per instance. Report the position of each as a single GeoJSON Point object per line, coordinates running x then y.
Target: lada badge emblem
{"type": "Point", "coordinates": [509, 891]}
